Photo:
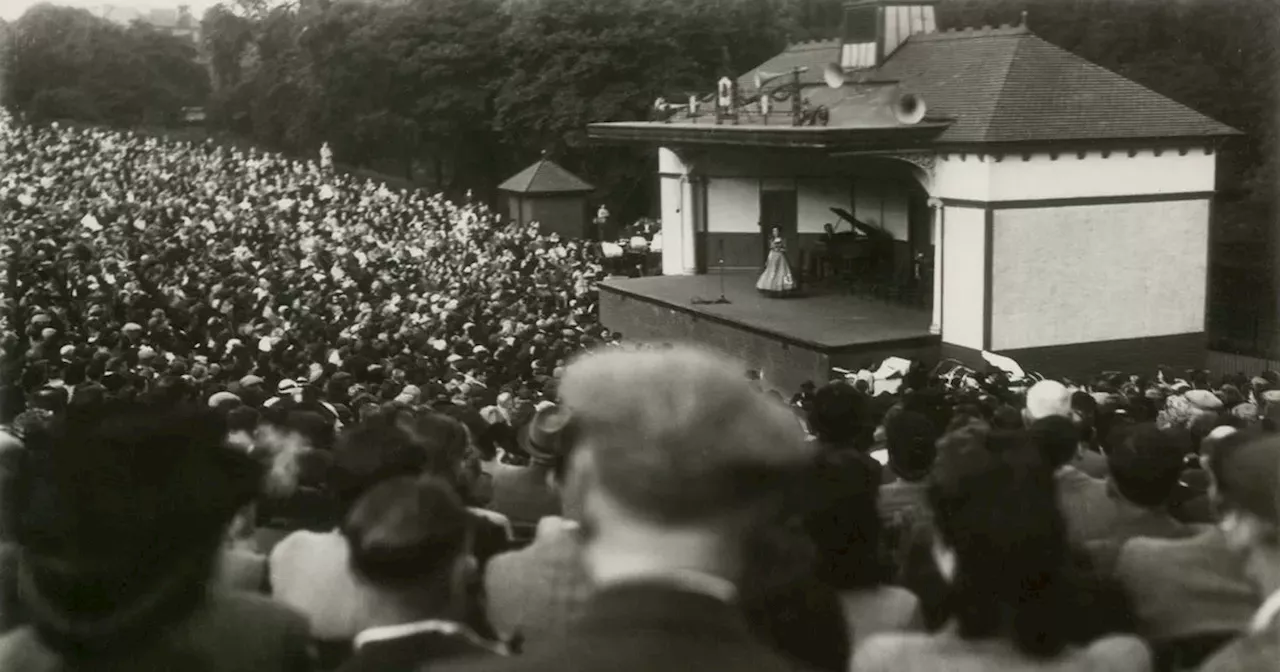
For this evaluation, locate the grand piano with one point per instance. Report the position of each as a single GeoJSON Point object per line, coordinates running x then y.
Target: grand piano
{"type": "Point", "coordinates": [863, 252]}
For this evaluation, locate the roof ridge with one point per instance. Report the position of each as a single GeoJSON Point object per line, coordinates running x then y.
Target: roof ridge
{"type": "Point", "coordinates": [1004, 30]}
{"type": "Point", "coordinates": [1004, 86]}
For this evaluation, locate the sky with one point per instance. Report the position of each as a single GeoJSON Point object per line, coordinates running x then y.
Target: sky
{"type": "Point", "coordinates": [12, 9]}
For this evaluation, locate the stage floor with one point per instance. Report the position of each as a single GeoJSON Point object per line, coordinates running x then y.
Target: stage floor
{"type": "Point", "coordinates": [821, 318]}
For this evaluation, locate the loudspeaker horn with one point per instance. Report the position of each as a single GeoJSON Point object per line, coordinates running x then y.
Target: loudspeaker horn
{"type": "Point", "coordinates": [833, 75]}
{"type": "Point", "coordinates": [909, 109]}
{"type": "Point", "coordinates": [763, 77]}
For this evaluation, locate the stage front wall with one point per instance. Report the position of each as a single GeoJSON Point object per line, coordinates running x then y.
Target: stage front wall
{"type": "Point", "coordinates": [1096, 273]}
{"type": "Point", "coordinates": [785, 366]}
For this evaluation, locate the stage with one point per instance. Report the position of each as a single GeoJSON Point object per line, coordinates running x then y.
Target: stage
{"type": "Point", "coordinates": [788, 340]}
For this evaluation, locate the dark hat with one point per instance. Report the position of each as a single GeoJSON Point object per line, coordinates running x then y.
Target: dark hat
{"type": "Point", "coordinates": [539, 437]}
{"type": "Point", "coordinates": [124, 491]}
{"type": "Point", "coordinates": [1249, 479]}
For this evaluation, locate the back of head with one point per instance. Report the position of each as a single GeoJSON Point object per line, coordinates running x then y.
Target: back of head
{"type": "Point", "coordinates": [1247, 475]}
{"type": "Point", "coordinates": [677, 436]}
{"type": "Point", "coordinates": [1145, 464]}
{"type": "Point", "coordinates": [119, 513]}
{"type": "Point", "coordinates": [368, 454]}
{"type": "Point", "coordinates": [837, 413]}
{"type": "Point", "coordinates": [996, 514]}
{"type": "Point", "coordinates": [406, 532]}
{"type": "Point", "coordinates": [1056, 438]}
{"type": "Point", "coordinates": [911, 440]}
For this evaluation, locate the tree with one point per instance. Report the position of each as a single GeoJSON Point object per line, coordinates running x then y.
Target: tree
{"type": "Point", "coordinates": [66, 63]}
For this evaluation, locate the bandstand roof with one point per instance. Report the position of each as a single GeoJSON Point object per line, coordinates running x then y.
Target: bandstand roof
{"type": "Point", "coordinates": [988, 87]}
{"type": "Point", "coordinates": [545, 177]}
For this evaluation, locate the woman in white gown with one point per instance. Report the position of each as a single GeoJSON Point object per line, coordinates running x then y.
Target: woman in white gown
{"type": "Point", "coordinates": [777, 279]}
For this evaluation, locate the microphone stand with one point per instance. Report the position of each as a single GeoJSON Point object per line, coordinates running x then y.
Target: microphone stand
{"type": "Point", "coordinates": [698, 301]}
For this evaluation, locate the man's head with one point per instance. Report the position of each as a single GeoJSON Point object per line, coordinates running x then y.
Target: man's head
{"type": "Point", "coordinates": [1145, 463]}
{"type": "Point", "coordinates": [413, 535]}
{"type": "Point", "coordinates": [679, 458]}
{"type": "Point", "coordinates": [1248, 488]}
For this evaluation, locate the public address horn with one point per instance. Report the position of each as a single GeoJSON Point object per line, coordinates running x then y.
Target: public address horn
{"type": "Point", "coordinates": [909, 109]}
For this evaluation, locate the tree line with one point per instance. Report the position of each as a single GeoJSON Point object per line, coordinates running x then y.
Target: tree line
{"type": "Point", "coordinates": [65, 63]}
{"type": "Point", "coordinates": [458, 94]}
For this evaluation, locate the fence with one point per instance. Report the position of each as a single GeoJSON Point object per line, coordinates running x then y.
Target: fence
{"type": "Point", "coordinates": [1224, 363]}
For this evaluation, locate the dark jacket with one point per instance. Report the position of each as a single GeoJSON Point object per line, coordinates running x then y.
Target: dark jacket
{"type": "Point", "coordinates": [650, 626]}
{"type": "Point", "coordinates": [228, 633]}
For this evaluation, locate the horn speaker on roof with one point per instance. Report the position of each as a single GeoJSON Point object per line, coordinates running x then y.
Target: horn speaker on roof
{"type": "Point", "coordinates": [909, 109]}
{"type": "Point", "coordinates": [833, 75]}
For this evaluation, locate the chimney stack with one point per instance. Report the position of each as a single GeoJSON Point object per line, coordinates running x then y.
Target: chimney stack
{"type": "Point", "coordinates": [874, 29]}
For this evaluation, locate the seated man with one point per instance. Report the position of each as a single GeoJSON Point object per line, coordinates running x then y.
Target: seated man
{"type": "Point", "coordinates": [1189, 586]}
{"type": "Point", "coordinates": [1145, 464]}
{"type": "Point", "coordinates": [681, 463]}
{"type": "Point", "coordinates": [534, 594]}
{"type": "Point", "coordinates": [412, 538]}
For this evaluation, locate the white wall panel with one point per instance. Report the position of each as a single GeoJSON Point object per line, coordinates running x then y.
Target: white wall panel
{"type": "Point", "coordinates": [968, 179]}
{"type": "Point", "coordinates": [733, 205]}
{"type": "Point", "coordinates": [962, 276]}
{"type": "Point", "coordinates": [1093, 273]}
{"type": "Point", "coordinates": [1069, 176]}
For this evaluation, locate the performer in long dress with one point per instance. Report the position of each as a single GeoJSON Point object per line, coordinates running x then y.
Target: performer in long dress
{"type": "Point", "coordinates": [777, 279]}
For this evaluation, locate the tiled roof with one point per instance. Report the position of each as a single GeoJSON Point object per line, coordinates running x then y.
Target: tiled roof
{"type": "Point", "coordinates": [1007, 85]}
{"type": "Point", "coordinates": [545, 177]}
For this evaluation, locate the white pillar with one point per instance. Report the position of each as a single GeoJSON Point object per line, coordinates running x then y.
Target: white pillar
{"type": "Point", "coordinates": [935, 208]}
{"type": "Point", "coordinates": [689, 225]}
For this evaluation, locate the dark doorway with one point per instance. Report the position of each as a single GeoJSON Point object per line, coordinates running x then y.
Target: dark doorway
{"type": "Point", "coordinates": [779, 210]}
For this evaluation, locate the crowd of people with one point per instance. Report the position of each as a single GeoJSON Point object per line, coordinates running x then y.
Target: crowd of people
{"type": "Point", "coordinates": [142, 265]}
{"type": "Point", "coordinates": [264, 417]}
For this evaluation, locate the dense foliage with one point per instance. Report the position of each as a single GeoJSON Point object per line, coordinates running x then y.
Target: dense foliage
{"type": "Point", "coordinates": [459, 94]}
{"type": "Point", "coordinates": [65, 63]}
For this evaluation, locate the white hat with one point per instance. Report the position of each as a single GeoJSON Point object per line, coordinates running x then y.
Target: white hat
{"type": "Point", "coordinates": [1048, 398]}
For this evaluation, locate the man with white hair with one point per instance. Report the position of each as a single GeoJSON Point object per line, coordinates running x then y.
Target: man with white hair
{"type": "Point", "coordinates": [1085, 503]}
{"type": "Point", "coordinates": [680, 461]}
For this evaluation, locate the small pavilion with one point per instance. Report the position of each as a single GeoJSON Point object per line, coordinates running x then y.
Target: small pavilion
{"type": "Point", "coordinates": [550, 195]}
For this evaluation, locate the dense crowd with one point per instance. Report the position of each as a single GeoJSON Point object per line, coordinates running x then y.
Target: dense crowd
{"type": "Point", "coordinates": [275, 419]}
{"type": "Point", "coordinates": [144, 266]}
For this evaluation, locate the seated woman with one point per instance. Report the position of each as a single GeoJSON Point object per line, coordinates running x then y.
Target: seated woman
{"type": "Point", "coordinates": [1001, 545]}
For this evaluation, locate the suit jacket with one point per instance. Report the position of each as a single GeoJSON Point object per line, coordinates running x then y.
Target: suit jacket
{"type": "Point", "coordinates": [523, 494]}
{"type": "Point", "coordinates": [647, 626]}
{"type": "Point", "coordinates": [409, 653]}
{"type": "Point", "coordinates": [1185, 587]}
{"type": "Point", "coordinates": [536, 593]}
{"type": "Point", "coordinates": [1086, 505]}
{"type": "Point", "coordinates": [947, 652]}
{"type": "Point", "coordinates": [229, 633]}
{"type": "Point", "coordinates": [1255, 652]}
{"type": "Point", "coordinates": [1132, 522]}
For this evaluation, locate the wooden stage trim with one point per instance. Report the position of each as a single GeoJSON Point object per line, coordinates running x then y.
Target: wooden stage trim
{"type": "Point", "coordinates": [823, 321]}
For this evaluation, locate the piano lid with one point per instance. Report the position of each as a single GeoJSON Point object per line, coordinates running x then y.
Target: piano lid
{"type": "Point", "coordinates": [862, 227]}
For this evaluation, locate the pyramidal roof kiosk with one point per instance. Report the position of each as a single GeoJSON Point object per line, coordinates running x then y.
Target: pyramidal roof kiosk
{"type": "Point", "coordinates": [1042, 186]}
